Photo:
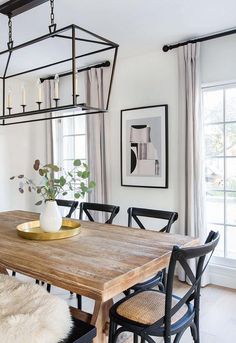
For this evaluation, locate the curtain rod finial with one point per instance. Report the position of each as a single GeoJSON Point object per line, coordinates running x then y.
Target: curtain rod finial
{"type": "Point", "coordinates": [165, 48]}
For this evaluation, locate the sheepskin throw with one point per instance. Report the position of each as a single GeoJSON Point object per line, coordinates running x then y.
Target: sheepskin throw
{"type": "Point", "coordinates": [29, 314]}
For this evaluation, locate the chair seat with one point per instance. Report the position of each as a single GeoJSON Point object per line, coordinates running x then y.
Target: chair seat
{"type": "Point", "coordinates": [29, 314]}
{"type": "Point", "coordinates": [148, 307]}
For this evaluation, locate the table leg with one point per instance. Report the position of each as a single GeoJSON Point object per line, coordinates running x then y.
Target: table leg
{"type": "Point", "coordinates": [100, 319]}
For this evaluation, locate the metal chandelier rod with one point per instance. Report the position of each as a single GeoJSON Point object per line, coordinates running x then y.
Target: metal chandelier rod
{"type": "Point", "coordinates": [100, 65]}
{"type": "Point", "coordinates": [200, 39]}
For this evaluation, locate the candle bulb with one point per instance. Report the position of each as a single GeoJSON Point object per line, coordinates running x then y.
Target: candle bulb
{"type": "Point", "coordinates": [56, 87]}
{"type": "Point", "coordinates": [39, 97]}
{"type": "Point", "coordinates": [23, 96]}
{"type": "Point", "coordinates": [9, 100]}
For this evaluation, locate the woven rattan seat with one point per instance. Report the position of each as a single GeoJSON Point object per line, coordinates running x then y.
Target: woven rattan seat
{"type": "Point", "coordinates": [148, 307]}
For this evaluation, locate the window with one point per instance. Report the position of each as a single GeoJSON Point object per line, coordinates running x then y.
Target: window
{"type": "Point", "coordinates": [72, 144]}
{"type": "Point", "coordinates": [219, 107]}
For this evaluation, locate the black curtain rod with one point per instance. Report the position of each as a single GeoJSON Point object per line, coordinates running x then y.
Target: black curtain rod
{"type": "Point", "coordinates": [100, 65]}
{"type": "Point", "coordinates": [200, 39]}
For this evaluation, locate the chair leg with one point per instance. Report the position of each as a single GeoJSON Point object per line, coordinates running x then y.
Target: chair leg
{"type": "Point", "coordinates": [194, 333]}
{"type": "Point", "coordinates": [49, 287]}
{"type": "Point", "coordinates": [79, 301]}
{"type": "Point", "coordinates": [112, 330]}
{"type": "Point", "coordinates": [164, 277]}
{"type": "Point", "coordinates": [135, 338]}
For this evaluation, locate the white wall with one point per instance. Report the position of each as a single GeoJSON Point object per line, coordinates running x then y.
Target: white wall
{"type": "Point", "coordinates": [141, 81]}
{"type": "Point", "coordinates": [20, 145]}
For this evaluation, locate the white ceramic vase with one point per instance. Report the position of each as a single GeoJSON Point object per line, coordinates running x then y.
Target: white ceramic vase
{"type": "Point", "coordinates": [50, 218]}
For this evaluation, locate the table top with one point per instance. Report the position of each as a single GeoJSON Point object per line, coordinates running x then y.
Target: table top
{"type": "Point", "coordinates": [100, 262]}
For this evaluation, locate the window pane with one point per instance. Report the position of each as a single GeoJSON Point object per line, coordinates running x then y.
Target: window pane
{"type": "Point", "coordinates": [214, 173]}
{"type": "Point", "coordinates": [68, 165]}
{"type": "Point", "coordinates": [215, 207]}
{"type": "Point", "coordinates": [80, 147]}
{"type": "Point", "coordinates": [231, 208]}
{"type": "Point", "coordinates": [230, 104]}
{"type": "Point", "coordinates": [213, 106]}
{"type": "Point", "coordinates": [214, 140]}
{"type": "Point", "coordinates": [80, 125]}
{"type": "Point", "coordinates": [68, 126]}
{"type": "Point", "coordinates": [230, 173]}
{"type": "Point", "coordinates": [219, 251]}
{"type": "Point", "coordinates": [231, 242]}
{"type": "Point", "coordinates": [230, 136]}
{"type": "Point", "coordinates": [68, 147]}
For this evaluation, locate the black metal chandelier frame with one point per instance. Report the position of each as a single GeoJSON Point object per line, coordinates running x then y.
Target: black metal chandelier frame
{"type": "Point", "coordinates": [23, 117]}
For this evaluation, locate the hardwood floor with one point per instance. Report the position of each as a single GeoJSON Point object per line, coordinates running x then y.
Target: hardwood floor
{"type": "Point", "coordinates": [218, 313]}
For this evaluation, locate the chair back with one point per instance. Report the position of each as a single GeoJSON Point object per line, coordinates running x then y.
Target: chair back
{"type": "Point", "coordinates": [68, 203]}
{"type": "Point", "coordinates": [135, 212]}
{"type": "Point", "coordinates": [86, 207]}
{"type": "Point", "coordinates": [194, 272]}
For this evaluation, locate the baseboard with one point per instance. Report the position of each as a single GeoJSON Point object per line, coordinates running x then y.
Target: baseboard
{"type": "Point", "coordinates": [222, 276]}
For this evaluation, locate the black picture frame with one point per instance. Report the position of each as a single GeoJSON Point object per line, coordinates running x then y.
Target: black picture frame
{"type": "Point", "coordinates": [142, 115]}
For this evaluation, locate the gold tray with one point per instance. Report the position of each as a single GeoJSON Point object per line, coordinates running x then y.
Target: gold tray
{"type": "Point", "coordinates": [32, 230]}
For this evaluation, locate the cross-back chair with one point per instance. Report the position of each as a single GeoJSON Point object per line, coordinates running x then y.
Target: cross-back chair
{"type": "Point", "coordinates": [154, 313]}
{"type": "Point", "coordinates": [134, 213]}
{"type": "Point", "coordinates": [87, 207]}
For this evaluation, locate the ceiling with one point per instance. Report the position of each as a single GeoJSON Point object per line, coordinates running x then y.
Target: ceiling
{"type": "Point", "coordinates": [139, 26]}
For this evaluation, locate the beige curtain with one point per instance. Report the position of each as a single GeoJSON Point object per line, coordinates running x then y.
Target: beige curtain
{"type": "Point", "coordinates": [49, 125]}
{"type": "Point", "coordinates": [191, 153]}
{"type": "Point", "coordinates": [96, 135]}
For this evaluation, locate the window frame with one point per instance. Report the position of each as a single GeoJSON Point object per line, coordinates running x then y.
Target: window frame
{"type": "Point", "coordinates": [218, 260]}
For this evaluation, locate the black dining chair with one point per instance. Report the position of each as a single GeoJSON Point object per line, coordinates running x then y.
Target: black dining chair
{"type": "Point", "coordinates": [134, 213]}
{"type": "Point", "coordinates": [72, 205]}
{"type": "Point", "coordinates": [151, 312]}
{"type": "Point", "coordinates": [87, 207]}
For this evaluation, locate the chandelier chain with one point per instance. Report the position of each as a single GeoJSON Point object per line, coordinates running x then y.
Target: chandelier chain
{"type": "Point", "coordinates": [10, 28]}
{"type": "Point", "coordinates": [52, 12]}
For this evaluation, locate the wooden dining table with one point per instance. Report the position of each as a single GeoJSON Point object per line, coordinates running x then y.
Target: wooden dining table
{"type": "Point", "coordinates": [99, 263]}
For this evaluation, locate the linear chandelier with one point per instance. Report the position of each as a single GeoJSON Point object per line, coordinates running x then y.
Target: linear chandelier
{"type": "Point", "coordinates": [23, 73]}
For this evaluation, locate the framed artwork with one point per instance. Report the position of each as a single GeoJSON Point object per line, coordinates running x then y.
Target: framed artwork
{"type": "Point", "coordinates": [144, 146]}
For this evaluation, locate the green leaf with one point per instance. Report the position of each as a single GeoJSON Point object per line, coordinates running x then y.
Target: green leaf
{"type": "Point", "coordinates": [64, 193]}
{"type": "Point", "coordinates": [53, 167]}
{"type": "Point", "coordinates": [39, 203]}
{"type": "Point", "coordinates": [20, 176]}
{"type": "Point", "coordinates": [62, 181]}
{"type": "Point", "coordinates": [29, 189]}
{"type": "Point", "coordinates": [85, 174]}
{"type": "Point", "coordinates": [41, 172]}
{"type": "Point", "coordinates": [71, 175]}
{"type": "Point", "coordinates": [77, 163]}
{"type": "Point", "coordinates": [85, 165]}
{"type": "Point", "coordinates": [77, 195]}
{"type": "Point", "coordinates": [79, 173]}
{"type": "Point", "coordinates": [12, 178]}
{"type": "Point", "coordinates": [21, 190]}
{"type": "Point", "coordinates": [92, 184]}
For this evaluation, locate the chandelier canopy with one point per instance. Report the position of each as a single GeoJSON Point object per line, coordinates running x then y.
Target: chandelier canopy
{"type": "Point", "coordinates": [62, 56]}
